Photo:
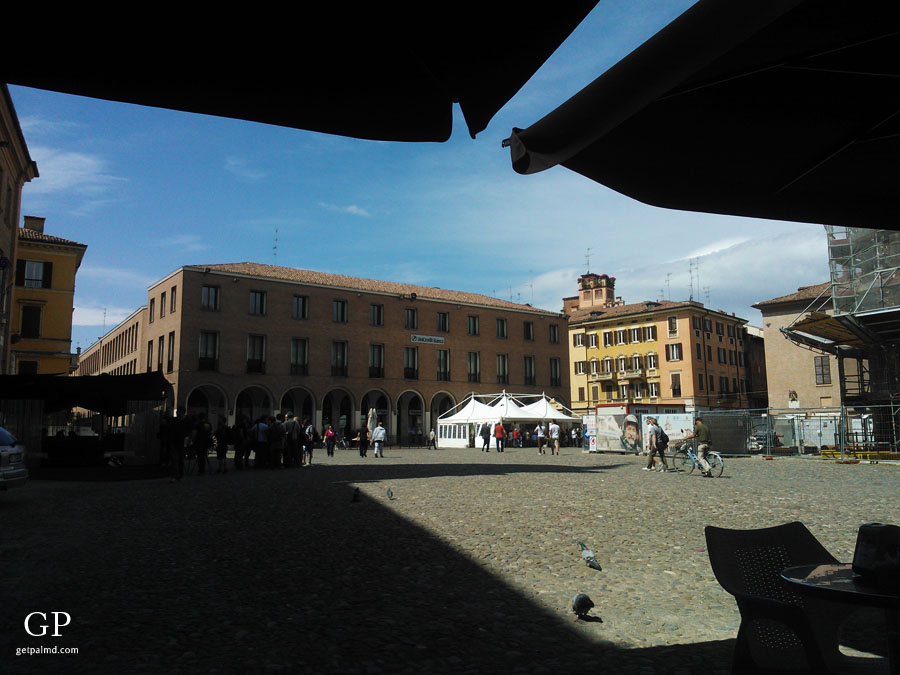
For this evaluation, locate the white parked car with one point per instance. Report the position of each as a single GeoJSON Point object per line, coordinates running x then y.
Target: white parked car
{"type": "Point", "coordinates": [12, 461]}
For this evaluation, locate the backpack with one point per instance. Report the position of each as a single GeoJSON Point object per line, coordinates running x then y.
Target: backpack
{"type": "Point", "coordinates": [662, 439]}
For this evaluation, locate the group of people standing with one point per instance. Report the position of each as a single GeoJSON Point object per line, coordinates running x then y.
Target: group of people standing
{"type": "Point", "coordinates": [550, 436]}
{"type": "Point", "coordinates": [279, 441]}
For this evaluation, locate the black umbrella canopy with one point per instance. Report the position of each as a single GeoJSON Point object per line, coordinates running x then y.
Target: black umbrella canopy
{"type": "Point", "coordinates": [383, 71]}
{"type": "Point", "coordinates": [787, 110]}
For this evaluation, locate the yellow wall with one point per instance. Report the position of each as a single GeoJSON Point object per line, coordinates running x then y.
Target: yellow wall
{"type": "Point", "coordinates": [52, 349]}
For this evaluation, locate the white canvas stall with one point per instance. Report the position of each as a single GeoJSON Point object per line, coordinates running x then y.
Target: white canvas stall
{"type": "Point", "coordinates": [455, 429]}
{"type": "Point", "coordinates": [546, 411]}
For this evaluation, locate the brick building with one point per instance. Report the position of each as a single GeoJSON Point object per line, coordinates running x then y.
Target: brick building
{"type": "Point", "coordinates": [673, 355]}
{"type": "Point", "coordinates": [250, 339]}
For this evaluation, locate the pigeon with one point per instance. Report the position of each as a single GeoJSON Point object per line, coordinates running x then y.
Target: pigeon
{"type": "Point", "coordinates": [581, 605]}
{"type": "Point", "coordinates": [355, 497]}
{"type": "Point", "coordinates": [589, 557]}
{"type": "Point", "coordinates": [390, 493]}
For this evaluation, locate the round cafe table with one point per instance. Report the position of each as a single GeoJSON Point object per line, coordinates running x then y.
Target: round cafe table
{"type": "Point", "coordinates": [838, 582]}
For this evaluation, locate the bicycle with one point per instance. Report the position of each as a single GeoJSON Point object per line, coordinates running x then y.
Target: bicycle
{"type": "Point", "coordinates": [684, 459]}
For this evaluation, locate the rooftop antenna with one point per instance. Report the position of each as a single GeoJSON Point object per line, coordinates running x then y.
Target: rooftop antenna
{"type": "Point", "coordinates": [706, 291]}
{"type": "Point", "coordinates": [587, 260]}
{"type": "Point", "coordinates": [275, 247]}
{"type": "Point", "coordinates": [668, 288]}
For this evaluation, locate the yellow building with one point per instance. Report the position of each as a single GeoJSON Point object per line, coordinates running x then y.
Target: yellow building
{"type": "Point", "coordinates": [16, 169]}
{"type": "Point", "coordinates": [652, 356]}
{"type": "Point", "coordinates": [42, 301]}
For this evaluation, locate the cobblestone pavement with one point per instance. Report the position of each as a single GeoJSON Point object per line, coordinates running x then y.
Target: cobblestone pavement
{"type": "Point", "coordinates": [470, 568]}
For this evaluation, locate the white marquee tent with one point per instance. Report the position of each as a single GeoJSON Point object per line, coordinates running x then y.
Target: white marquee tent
{"type": "Point", "coordinates": [458, 429]}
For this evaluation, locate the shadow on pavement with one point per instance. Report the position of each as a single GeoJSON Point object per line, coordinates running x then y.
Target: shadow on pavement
{"type": "Point", "coordinates": [270, 575]}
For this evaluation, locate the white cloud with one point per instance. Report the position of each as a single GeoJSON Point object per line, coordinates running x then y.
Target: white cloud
{"type": "Point", "coordinates": [38, 127]}
{"type": "Point", "coordinates": [115, 276]}
{"type": "Point", "coordinates": [99, 316]}
{"type": "Point", "coordinates": [352, 209]}
{"type": "Point", "coordinates": [64, 171]}
{"type": "Point", "coordinates": [186, 242]}
{"type": "Point", "coordinates": [242, 169]}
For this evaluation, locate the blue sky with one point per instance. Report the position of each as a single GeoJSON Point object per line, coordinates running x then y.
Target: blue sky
{"type": "Point", "coordinates": [150, 190]}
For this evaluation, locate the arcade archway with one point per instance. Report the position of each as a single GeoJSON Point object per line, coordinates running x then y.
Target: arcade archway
{"type": "Point", "coordinates": [410, 419]}
{"type": "Point", "coordinates": [252, 403]}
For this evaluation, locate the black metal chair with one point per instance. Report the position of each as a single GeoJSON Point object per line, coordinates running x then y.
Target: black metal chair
{"type": "Point", "coordinates": [780, 632]}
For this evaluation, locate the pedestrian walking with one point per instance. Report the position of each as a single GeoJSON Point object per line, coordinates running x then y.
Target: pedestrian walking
{"type": "Point", "coordinates": [499, 435]}
{"type": "Point", "coordinates": [432, 440]}
{"type": "Point", "coordinates": [292, 433]}
{"type": "Point", "coordinates": [657, 441]}
{"type": "Point", "coordinates": [539, 432]}
{"type": "Point", "coordinates": [554, 437]}
{"type": "Point", "coordinates": [363, 442]}
{"type": "Point", "coordinates": [379, 436]}
{"type": "Point", "coordinates": [330, 440]}
{"type": "Point", "coordinates": [486, 437]}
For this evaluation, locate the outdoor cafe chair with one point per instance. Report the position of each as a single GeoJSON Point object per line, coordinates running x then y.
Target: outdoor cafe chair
{"type": "Point", "coordinates": [780, 631]}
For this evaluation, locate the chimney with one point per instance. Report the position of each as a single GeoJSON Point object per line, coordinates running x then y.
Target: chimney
{"type": "Point", "coordinates": [35, 224]}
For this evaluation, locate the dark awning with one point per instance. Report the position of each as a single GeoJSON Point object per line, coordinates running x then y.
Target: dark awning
{"type": "Point", "coordinates": [781, 109]}
{"type": "Point", "coordinates": [387, 71]}
{"type": "Point", "coordinates": [108, 394]}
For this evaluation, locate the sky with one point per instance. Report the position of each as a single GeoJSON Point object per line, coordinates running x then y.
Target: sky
{"type": "Point", "coordinates": [150, 190]}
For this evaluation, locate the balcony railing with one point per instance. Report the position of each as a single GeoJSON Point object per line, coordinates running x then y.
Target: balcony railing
{"type": "Point", "coordinates": [602, 376]}
{"type": "Point", "coordinates": [299, 369]}
{"type": "Point", "coordinates": [443, 375]}
{"type": "Point", "coordinates": [632, 373]}
{"type": "Point", "coordinates": [411, 373]}
{"type": "Point", "coordinates": [208, 363]}
{"type": "Point", "coordinates": [376, 371]}
{"type": "Point", "coordinates": [256, 366]}
{"type": "Point", "coordinates": [474, 377]}
{"type": "Point", "coordinates": [339, 371]}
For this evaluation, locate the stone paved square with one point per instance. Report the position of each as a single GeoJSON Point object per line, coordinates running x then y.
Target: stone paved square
{"type": "Point", "coordinates": [470, 568]}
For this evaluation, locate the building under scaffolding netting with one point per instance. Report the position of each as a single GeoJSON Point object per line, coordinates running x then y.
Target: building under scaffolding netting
{"type": "Point", "coordinates": [863, 327]}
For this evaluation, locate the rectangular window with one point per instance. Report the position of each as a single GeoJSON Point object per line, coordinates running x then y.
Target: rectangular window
{"type": "Point", "coordinates": [411, 363]}
{"type": "Point", "coordinates": [676, 384]}
{"type": "Point", "coordinates": [730, 330]}
{"type": "Point", "coordinates": [501, 328]}
{"type": "Point", "coordinates": [673, 326]}
{"type": "Point", "coordinates": [721, 353]}
{"type": "Point", "coordinates": [720, 328]}
{"type": "Point", "coordinates": [339, 311]}
{"type": "Point", "coordinates": [699, 381]}
{"type": "Point", "coordinates": [31, 321]}
{"type": "Point", "coordinates": [376, 360]}
{"type": "Point", "coordinates": [595, 393]}
{"type": "Point", "coordinates": [376, 315]}
{"type": "Point", "coordinates": [649, 333]}
{"type": "Point", "coordinates": [707, 325]}
{"type": "Point", "coordinates": [609, 392]}
{"type": "Point", "coordinates": [554, 333]}
{"type": "Point", "coordinates": [653, 389]}
{"type": "Point", "coordinates": [411, 317]}
{"type": "Point", "coordinates": [502, 369]}
{"type": "Point", "coordinates": [580, 393]}
{"type": "Point", "coordinates": [607, 338]}
{"type": "Point", "coordinates": [160, 348]}
{"type": "Point", "coordinates": [580, 367]}
{"type": "Point", "coordinates": [823, 369]}
{"type": "Point", "coordinates": [529, 370]}
{"type": "Point", "coordinates": [149, 355]}
{"type": "Point", "coordinates": [652, 361]}
{"type": "Point", "coordinates": [723, 385]}
{"type": "Point", "coordinates": [577, 339]}
{"type": "Point", "coordinates": [695, 322]}
{"type": "Point", "coordinates": [170, 361]}
{"type": "Point", "coordinates": [300, 307]}
{"type": "Point", "coordinates": [258, 303]}
{"type": "Point", "coordinates": [208, 351]}
{"type": "Point", "coordinates": [623, 392]}
{"type": "Point", "coordinates": [209, 297]}
{"type": "Point", "coordinates": [712, 385]}
{"type": "Point", "coordinates": [709, 352]}
{"type": "Point", "coordinates": [162, 305]}
{"type": "Point", "coordinates": [732, 359]}
{"type": "Point", "coordinates": [699, 351]}
{"type": "Point", "coordinates": [339, 359]}
{"type": "Point", "coordinates": [673, 352]}
{"type": "Point", "coordinates": [473, 325]}
{"type": "Point", "coordinates": [443, 322]}
{"type": "Point", "coordinates": [555, 379]}
{"type": "Point", "coordinates": [443, 365]}
{"type": "Point", "coordinates": [34, 274]}
{"type": "Point", "coordinates": [172, 299]}
{"type": "Point", "coordinates": [528, 328]}
{"type": "Point", "coordinates": [621, 336]}
{"type": "Point", "coordinates": [634, 335]}
{"type": "Point", "coordinates": [256, 353]}
{"type": "Point", "coordinates": [592, 340]}
{"type": "Point", "coordinates": [152, 312]}
{"type": "Point", "coordinates": [474, 367]}
{"type": "Point", "coordinates": [299, 356]}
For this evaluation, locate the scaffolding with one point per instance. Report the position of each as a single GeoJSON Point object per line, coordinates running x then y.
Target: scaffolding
{"type": "Point", "coordinates": [865, 269]}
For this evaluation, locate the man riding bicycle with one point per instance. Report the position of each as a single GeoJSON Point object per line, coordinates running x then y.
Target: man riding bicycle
{"type": "Point", "coordinates": [704, 443]}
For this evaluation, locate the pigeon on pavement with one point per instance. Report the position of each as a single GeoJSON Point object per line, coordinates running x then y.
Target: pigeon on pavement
{"type": "Point", "coordinates": [581, 605]}
{"type": "Point", "coordinates": [589, 557]}
{"type": "Point", "coordinates": [390, 493]}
